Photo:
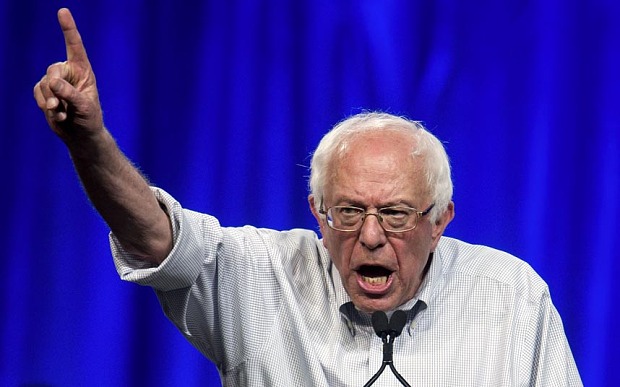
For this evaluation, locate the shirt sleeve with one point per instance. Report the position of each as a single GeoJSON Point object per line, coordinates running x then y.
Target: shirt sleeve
{"type": "Point", "coordinates": [551, 362]}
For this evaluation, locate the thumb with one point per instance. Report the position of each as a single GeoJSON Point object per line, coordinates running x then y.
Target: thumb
{"type": "Point", "coordinates": [64, 91]}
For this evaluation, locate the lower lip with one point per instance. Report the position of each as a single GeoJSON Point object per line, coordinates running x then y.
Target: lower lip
{"type": "Point", "coordinates": [374, 289]}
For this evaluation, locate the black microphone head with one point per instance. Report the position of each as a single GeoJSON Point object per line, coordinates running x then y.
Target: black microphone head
{"type": "Point", "coordinates": [380, 323]}
{"type": "Point", "coordinates": [397, 323]}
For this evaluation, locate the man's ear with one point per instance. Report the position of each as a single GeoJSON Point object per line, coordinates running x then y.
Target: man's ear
{"type": "Point", "coordinates": [320, 219]}
{"type": "Point", "coordinates": [442, 222]}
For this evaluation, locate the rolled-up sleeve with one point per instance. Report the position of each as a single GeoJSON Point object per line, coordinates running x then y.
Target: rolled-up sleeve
{"type": "Point", "coordinates": [186, 260]}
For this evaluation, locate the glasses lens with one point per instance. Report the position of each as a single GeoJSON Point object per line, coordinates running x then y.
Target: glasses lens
{"type": "Point", "coordinates": [345, 218]}
{"type": "Point", "coordinates": [398, 218]}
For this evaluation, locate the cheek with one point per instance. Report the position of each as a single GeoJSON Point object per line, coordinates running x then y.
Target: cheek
{"type": "Point", "coordinates": [411, 266]}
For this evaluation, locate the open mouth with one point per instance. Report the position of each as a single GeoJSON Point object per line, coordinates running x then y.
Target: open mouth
{"type": "Point", "coordinates": [374, 278]}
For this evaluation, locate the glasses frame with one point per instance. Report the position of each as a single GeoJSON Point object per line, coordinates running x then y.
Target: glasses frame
{"type": "Point", "coordinates": [419, 215]}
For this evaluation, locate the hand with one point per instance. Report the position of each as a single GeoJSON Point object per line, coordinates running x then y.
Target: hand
{"type": "Point", "coordinates": [67, 94]}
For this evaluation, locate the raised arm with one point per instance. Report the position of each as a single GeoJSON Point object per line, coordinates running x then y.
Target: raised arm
{"type": "Point", "coordinates": [68, 96]}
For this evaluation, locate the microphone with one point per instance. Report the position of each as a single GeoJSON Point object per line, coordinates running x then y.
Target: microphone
{"type": "Point", "coordinates": [380, 323]}
{"type": "Point", "coordinates": [388, 332]}
{"type": "Point", "coordinates": [397, 323]}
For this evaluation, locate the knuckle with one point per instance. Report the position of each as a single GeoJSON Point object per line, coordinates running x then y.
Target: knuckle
{"type": "Point", "coordinates": [54, 70]}
{"type": "Point", "coordinates": [51, 67]}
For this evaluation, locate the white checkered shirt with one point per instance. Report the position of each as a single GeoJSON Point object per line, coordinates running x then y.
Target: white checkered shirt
{"type": "Point", "coordinates": [269, 309]}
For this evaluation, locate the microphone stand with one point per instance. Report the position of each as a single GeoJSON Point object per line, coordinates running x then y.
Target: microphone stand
{"type": "Point", "coordinates": [388, 332]}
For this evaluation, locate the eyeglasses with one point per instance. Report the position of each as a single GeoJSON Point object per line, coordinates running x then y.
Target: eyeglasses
{"type": "Point", "coordinates": [392, 219]}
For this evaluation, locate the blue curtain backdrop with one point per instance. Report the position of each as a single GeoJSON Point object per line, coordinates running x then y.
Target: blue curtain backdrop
{"type": "Point", "coordinates": [222, 102]}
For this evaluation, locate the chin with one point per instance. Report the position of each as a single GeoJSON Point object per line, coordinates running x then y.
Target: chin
{"type": "Point", "coordinates": [370, 305]}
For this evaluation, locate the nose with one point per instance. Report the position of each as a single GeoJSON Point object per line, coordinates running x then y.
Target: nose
{"type": "Point", "coordinates": [372, 235]}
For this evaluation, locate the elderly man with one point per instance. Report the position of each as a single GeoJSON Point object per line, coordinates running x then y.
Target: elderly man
{"type": "Point", "coordinates": [274, 308]}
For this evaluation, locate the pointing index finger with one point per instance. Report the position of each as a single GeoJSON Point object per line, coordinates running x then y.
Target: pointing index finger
{"type": "Point", "coordinates": [73, 41]}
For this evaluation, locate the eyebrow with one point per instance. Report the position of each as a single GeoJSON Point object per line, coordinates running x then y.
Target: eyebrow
{"type": "Point", "coordinates": [356, 203]}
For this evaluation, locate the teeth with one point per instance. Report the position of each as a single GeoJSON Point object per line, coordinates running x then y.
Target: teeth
{"type": "Point", "coordinates": [375, 280]}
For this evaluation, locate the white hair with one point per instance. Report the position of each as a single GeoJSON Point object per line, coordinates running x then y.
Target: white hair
{"type": "Point", "coordinates": [426, 146]}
